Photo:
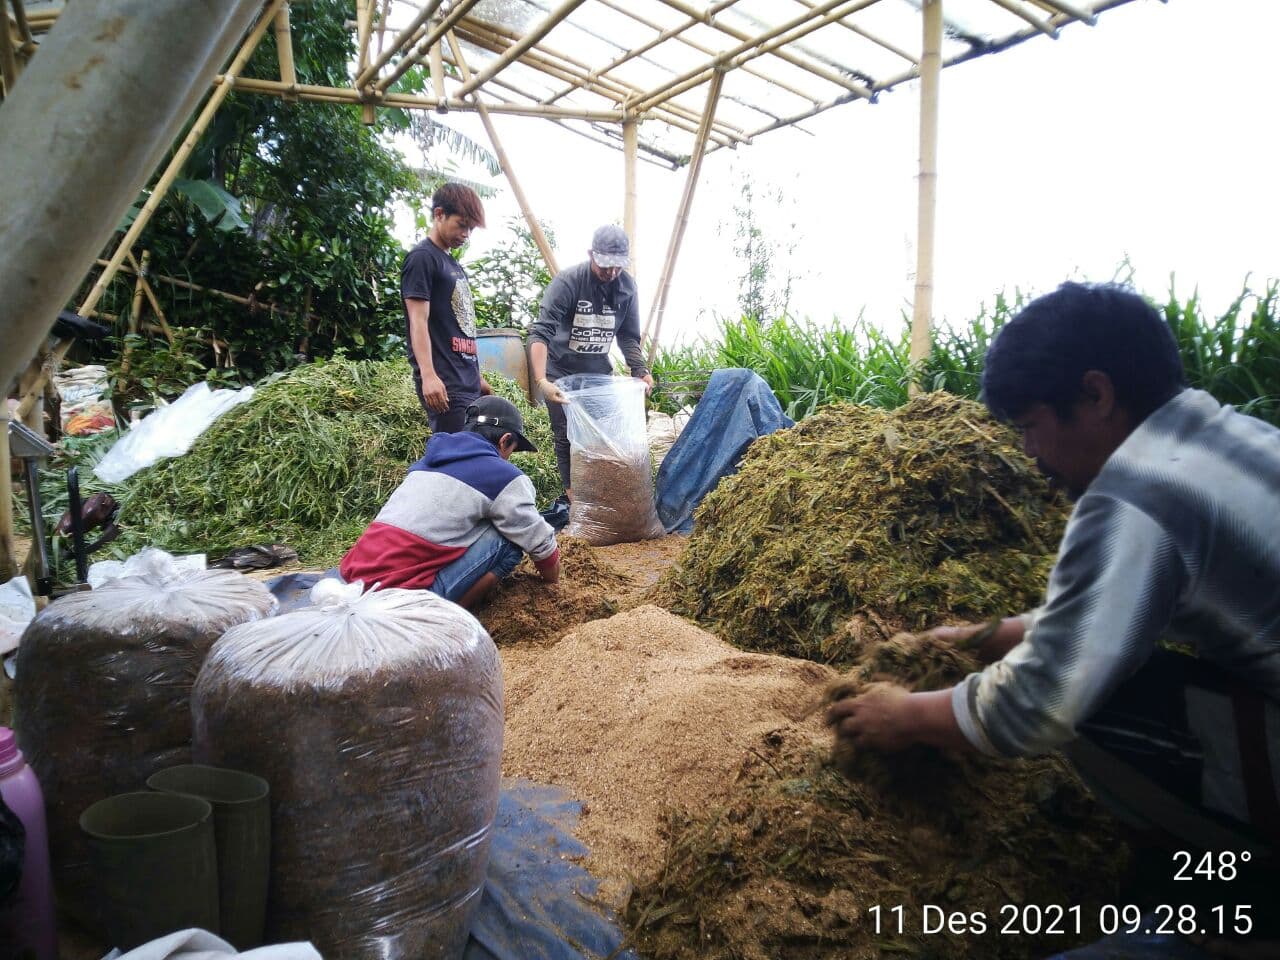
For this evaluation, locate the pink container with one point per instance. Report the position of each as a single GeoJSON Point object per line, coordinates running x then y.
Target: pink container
{"type": "Point", "coordinates": [26, 922]}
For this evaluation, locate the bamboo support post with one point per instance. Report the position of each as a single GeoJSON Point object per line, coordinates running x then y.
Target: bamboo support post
{"type": "Point", "coordinates": [398, 45]}
{"type": "Point", "coordinates": [534, 227]}
{"type": "Point", "coordinates": [135, 313]}
{"type": "Point", "coordinates": [143, 272]}
{"type": "Point", "coordinates": [364, 24]}
{"type": "Point", "coordinates": [437, 75]}
{"type": "Point", "coordinates": [20, 19]}
{"type": "Point", "coordinates": [412, 57]}
{"type": "Point", "coordinates": [630, 142]}
{"type": "Point", "coordinates": [31, 387]}
{"type": "Point", "coordinates": [180, 156]}
{"type": "Point", "coordinates": [930, 76]}
{"type": "Point", "coordinates": [32, 392]}
{"type": "Point", "coordinates": [8, 542]}
{"type": "Point", "coordinates": [752, 47]}
{"type": "Point", "coordinates": [383, 13]}
{"type": "Point", "coordinates": [525, 43]}
{"type": "Point", "coordinates": [284, 49]}
{"type": "Point", "coordinates": [682, 216]}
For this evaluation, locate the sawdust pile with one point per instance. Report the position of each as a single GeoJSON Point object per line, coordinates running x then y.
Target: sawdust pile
{"type": "Point", "coordinates": [792, 865]}
{"type": "Point", "coordinates": [890, 519]}
{"type": "Point", "coordinates": [524, 609]}
{"type": "Point", "coordinates": [644, 709]}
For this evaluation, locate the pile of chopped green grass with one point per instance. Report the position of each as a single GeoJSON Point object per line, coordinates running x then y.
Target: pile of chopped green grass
{"type": "Point", "coordinates": [860, 519]}
{"type": "Point", "coordinates": [308, 462]}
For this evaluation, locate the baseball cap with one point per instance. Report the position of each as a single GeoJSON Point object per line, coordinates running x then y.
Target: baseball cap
{"type": "Point", "coordinates": [609, 246]}
{"type": "Point", "coordinates": [501, 413]}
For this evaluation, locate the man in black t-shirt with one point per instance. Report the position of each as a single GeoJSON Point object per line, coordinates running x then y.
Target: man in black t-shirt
{"type": "Point", "coordinates": [440, 320]}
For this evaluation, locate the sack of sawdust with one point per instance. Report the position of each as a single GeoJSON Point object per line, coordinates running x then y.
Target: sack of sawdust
{"type": "Point", "coordinates": [377, 721]}
{"type": "Point", "coordinates": [103, 690]}
{"type": "Point", "coordinates": [610, 470]}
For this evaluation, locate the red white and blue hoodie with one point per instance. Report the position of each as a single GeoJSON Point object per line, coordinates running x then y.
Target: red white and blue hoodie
{"type": "Point", "coordinates": [460, 485]}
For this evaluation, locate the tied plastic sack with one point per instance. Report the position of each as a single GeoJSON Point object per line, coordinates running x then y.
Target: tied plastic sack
{"type": "Point", "coordinates": [169, 431]}
{"type": "Point", "coordinates": [610, 468]}
{"type": "Point", "coordinates": [377, 720]}
{"type": "Point", "coordinates": [103, 691]}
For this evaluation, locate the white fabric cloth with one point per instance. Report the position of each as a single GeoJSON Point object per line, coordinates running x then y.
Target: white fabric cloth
{"type": "Point", "coordinates": [197, 944]}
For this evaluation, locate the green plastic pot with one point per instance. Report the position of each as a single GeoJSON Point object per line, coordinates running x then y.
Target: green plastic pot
{"type": "Point", "coordinates": [242, 828]}
{"type": "Point", "coordinates": [153, 865]}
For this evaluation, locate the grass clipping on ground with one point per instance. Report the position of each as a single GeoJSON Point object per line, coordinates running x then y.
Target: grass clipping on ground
{"type": "Point", "coordinates": [792, 867]}
{"type": "Point", "coordinates": [860, 519]}
{"type": "Point", "coordinates": [308, 461]}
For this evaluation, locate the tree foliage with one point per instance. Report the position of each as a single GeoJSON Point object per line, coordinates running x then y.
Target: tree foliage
{"type": "Point", "coordinates": [289, 204]}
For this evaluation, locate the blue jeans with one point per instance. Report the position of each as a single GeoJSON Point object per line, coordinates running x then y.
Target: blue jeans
{"type": "Point", "coordinates": [491, 553]}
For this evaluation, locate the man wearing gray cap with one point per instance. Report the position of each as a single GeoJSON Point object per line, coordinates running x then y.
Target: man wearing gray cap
{"type": "Point", "coordinates": [584, 309]}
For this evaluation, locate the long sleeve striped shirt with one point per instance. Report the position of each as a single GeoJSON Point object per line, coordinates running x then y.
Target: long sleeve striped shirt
{"type": "Point", "coordinates": [1177, 537]}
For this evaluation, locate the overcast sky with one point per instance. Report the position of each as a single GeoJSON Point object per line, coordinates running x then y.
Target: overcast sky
{"type": "Point", "coordinates": [1152, 136]}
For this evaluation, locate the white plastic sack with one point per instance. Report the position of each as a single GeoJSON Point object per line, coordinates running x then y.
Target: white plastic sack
{"type": "Point", "coordinates": [664, 430]}
{"type": "Point", "coordinates": [150, 562]}
{"type": "Point", "coordinates": [201, 945]}
{"type": "Point", "coordinates": [17, 609]}
{"type": "Point", "coordinates": [168, 431]}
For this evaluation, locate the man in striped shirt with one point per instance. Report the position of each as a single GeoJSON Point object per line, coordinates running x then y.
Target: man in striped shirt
{"type": "Point", "coordinates": [1174, 541]}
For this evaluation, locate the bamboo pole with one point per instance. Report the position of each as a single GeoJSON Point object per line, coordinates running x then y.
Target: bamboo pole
{"type": "Point", "coordinates": [383, 13]}
{"type": "Point", "coordinates": [528, 40]}
{"type": "Point", "coordinates": [682, 217]}
{"type": "Point", "coordinates": [495, 40]}
{"type": "Point", "coordinates": [753, 47]}
{"type": "Point", "coordinates": [20, 18]}
{"type": "Point", "coordinates": [673, 114]}
{"type": "Point", "coordinates": [675, 33]}
{"type": "Point", "coordinates": [412, 57]}
{"type": "Point", "coordinates": [795, 60]}
{"type": "Point", "coordinates": [1069, 9]}
{"type": "Point", "coordinates": [135, 314]}
{"type": "Point", "coordinates": [31, 385]}
{"type": "Point", "coordinates": [868, 35]}
{"type": "Point", "coordinates": [930, 76]}
{"type": "Point", "coordinates": [364, 23]}
{"type": "Point", "coordinates": [181, 154]}
{"type": "Point", "coordinates": [284, 49]}
{"type": "Point", "coordinates": [1048, 29]}
{"type": "Point", "coordinates": [437, 75]}
{"type": "Point", "coordinates": [630, 141]}
{"type": "Point", "coordinates": [142, 271]}
{"type": "Point", "coordinates": [534, 227]}
{"type": "Point", "coordinates": [370, 71]}
{"type": "Point", "coordinates": [8, 540]}
{"type": "Point", "coordinates": [415, 102]}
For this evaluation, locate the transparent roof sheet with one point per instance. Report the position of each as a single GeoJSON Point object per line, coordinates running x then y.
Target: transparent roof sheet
{"type": "Point", "coordinates": [784, 60]}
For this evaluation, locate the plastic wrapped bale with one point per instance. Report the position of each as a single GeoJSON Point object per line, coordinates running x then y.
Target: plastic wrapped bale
{"type": "Point", "coordinates": [103, 690]}
{"type": "Point", "coordinates": [609, 463]}
{"type": "Point", "coordinates": [377, 721]}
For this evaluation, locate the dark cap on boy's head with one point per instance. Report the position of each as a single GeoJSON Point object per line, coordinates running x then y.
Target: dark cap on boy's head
{"type": "Point", "coordinates": [499, 412]}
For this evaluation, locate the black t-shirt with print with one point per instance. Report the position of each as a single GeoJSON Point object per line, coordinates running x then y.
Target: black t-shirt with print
{"type": "Point", "coordinates": [431, 274]}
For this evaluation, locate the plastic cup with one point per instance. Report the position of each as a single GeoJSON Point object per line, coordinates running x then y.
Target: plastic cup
{"type": "Point", "coordinates": [153, 865]}
{"type": "Point", "coordinates": [242, 827]}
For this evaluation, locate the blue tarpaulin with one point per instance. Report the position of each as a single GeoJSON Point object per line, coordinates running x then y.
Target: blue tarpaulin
{"type": "Point", "coordinates": [737, 407]}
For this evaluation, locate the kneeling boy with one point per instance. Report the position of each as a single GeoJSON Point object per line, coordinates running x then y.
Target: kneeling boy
{"type": "Point", "coordinates": [462, 518]}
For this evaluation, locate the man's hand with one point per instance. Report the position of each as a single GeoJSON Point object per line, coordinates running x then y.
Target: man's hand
{"type": "Point", "coordinates": [878, 719]}
{"type": "Point", "coordinates": [551, 392]}
{"type": "Point", "coordinates": [485, 389]}
{"type": "Point", "coordinates": [647, 379]}
{"type": "Point", "coordinates": [989, 642]}
{"type": "Point", "coordinates": [890, 718]}
{"type": "Point", "coordinates": [434, 392]}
